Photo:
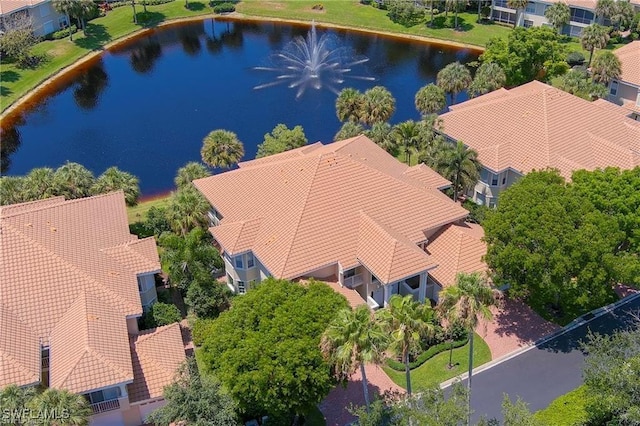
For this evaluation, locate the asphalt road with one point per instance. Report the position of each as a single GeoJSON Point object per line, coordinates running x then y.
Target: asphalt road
{"type": "Point", "coordinates": [545, 372]}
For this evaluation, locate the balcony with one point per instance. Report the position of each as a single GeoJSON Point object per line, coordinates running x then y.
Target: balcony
{"type": "Point", "coordinates": [353, 281]}
{"type": "Point", "coordinates": [104, 406]}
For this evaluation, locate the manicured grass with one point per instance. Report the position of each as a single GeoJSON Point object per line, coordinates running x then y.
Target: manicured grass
{"type": "Point", "coordinates": [16, 82]}
{"type": "Point", "coordinates": [435, 371]}
{"type": "Point", "coordinates": [139, 213]}
{"type": "Point", "coordinates": [353, 14]}
{"type": "Point", "coordinates": [566, 410]}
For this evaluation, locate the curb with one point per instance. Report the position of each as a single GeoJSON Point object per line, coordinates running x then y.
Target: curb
{"type": "Point", "coordinates": [581, 320]}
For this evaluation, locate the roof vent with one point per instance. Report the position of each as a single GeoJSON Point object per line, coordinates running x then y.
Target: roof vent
{"type": "Point", "coordinates": [53, 229]}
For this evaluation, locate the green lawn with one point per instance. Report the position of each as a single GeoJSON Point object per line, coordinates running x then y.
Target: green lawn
{"type": "Point", "coordinates": [435, 371]}
{"type": "Point", "coordinates": [139, 213]}
{"type": "Point", "coordinates": [566, 410]}
{"type": "Point", "coordinates": [353, 14]}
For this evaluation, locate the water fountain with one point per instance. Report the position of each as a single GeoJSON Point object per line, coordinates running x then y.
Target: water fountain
{"type": "Point", "coordinates": [313, 62]}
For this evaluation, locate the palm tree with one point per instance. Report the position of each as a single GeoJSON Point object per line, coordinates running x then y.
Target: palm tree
{"type": "Point", "coordinates": [606, 67]}
{"type": "Point", "coordinates": [135, 15]}
{"type": "Point", "coordinates": [622, 14]}
{"type": "Point", "coordinates": [68, 8]}
{"type": "Point", "coordinates": [489, 77]}
{"type": "Point", "coordinates": [453, 79]}
{"type": "Point", "coordinates": [349, 105]}
{"type": "Point", "coordinates": [84, 10]}
{"type": "Point", "coordinates": [353, 339]}
{"type": "Point", "coordinates": [460, 165]}
{"type": "Point", "coordinates": [38, 184]}
{"type": "Point", "coordinates": [379, 105]}
{"type": "Point", "coordinates": [558, 14]}
{"type": "Point", "coordinates": [187, 210]}
{"type": "Point", "coordinates": [466, 301]}
{"type": "Point", "coordinates": [221, 148]}
{"type": "Point", "coordinates": [348, 130]}
{"type": "Point", "coordinates": [408, 323]}
{"type": "Point", "coordinates": [12, 190]}
{"type": "Point", "coordinates": [407, 134]}
{"type": "Point", "coordinates": [431, 7]}
{"type": "Point", "coordinates": [114, 179]}
{"type": "Point", "coordinates": [517, 5]}
{"type": "Point", "coordinates": [190, 172]}
{"type": "Point", "coordinates": [430, 99]}
{"type": "Point", "coordinates": [604, 9]}
{"type": "Point", "coordinates": [594, 37]}
{"type": "Point", "coordinates": [76, 408]}
{"type": "Point", "coordinates": [380, 133]}
{"type": "Point", "coordinates": [73, 180]}
{"type": "Point", "coordinates": [14, 399]}
{"type": "Point", "coordinates": [454, 5]}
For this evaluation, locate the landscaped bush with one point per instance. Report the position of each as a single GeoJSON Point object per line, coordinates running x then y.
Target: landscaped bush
{"type": "Point", "coordinates": [318, 6]}
{"type": "Point", "coordinates": [158, 315]}
{"type": "Point", "coordinates": [575, 58]}
{"type": "Point", "coordinates": [404, 12]}
{"type": "Point", "coordinates": [426, 355]}
{"type": "Point", "coordinates": [224, 8]}
{"type": "Point", "coordinates": [63, 33]}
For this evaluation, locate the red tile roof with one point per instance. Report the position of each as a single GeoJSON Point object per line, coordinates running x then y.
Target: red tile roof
{"type": "Point", "coordinates": [629, 56]}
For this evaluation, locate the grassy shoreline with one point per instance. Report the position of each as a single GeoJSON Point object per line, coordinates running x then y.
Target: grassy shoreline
{"type": "Point", "coordinates": [20, 86]}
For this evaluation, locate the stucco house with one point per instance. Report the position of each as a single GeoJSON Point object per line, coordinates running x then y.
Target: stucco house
{"type": "Point", "coordinates": [73, 283]}
{"type": "Point", "coordinates": [44, 17]}
{"type": "Point", "coordinates": [345, 211]}
{"type": "Point", "coordinates": [536, 126]}
{"type": "Point", "coordinates": [625, 91]}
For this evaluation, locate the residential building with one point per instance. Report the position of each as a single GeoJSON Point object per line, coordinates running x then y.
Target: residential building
{"type": "Point", "coordinates": [73, 283]}
{"type": "Point", "coordinates": [44, 17]}
{"type": "Point", "coordinates": [536, 126]}
{"type": "Point", "coordinates": [345, 211]}
{"type": "Point", "coordinates": [582, 14]}
{"type": "Point", "coordinates": [625, 90]}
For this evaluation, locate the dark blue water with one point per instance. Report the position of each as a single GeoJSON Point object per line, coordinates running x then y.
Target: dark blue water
{"type": "Point", "coordinates": [146, 106]}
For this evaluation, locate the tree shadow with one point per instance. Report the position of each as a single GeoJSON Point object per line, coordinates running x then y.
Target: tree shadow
{"type": "Point", "coordinates": [438, 23]}
{"type": "Point", "coordinates": [5, 91]}
{"type": "Point", "coordinates": [97, 37]}
{"type": "Point", "coordinates": [335, 407]}
{"type": "Point", "coordinates": [462, 24]}
{"type": "Point", "coordinates": [150, 19]}
{"type": "Point", "coordinates": [516, 319]}
{"type": "Point", "coordinates": [9, 76]}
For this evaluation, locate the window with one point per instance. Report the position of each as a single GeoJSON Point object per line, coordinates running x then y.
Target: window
{"type": "Point", "coordinates": [528, 23]}
{"type": "Point", "coordinates": [103, 395]}
{"type": "Point", "coordinates": [531, 8]}
{"type": "Point", "coordinates": [491, 202]}
{"type": "Point", "coordinates": [613, 89]}
{"type": "Point", "coordinates": [238, 262]}
{"type": "Point", "coordinates": [581, 15]}
{"type": "Point", "coordinates": [242, 289]}
{"type": "Point", "coordinates": [504, 179]}
{"type": "Point", "coordinates": [503, 16]}
{"type": "Point", "coordinates": [250, 262]}
{"type": "Point", "coordinates": [349, 273]}
{"type": "Point", "coordinates": [62, 22]}
{"type": "Point", "coordinates": [494, 179]}
{"type": "Point", "coordinates": [229, 279]}
{"type": "Point", "coordinates": [145, 283]}
{"type": "Point", "coordinates": [501, 3]}
{"type": "Point", "coordinates": [44, 11]}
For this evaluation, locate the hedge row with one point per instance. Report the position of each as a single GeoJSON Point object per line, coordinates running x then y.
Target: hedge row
{"type": "Point", "coordinates": [426, 355]}
{"type": "Point", "coordinates": [58, 35]}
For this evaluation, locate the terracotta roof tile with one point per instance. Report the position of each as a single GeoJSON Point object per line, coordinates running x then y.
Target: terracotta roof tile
{"type": "Point", "coordinates": [536, 126]}
{"type": "Point", "coordinates": [9, 6]}
{"type": "Point", "coordinates": [19, 350]}
{"type": "Point", "coordinates": [237, 237]}
{"type": "Point", "coordinates": [156, 356]}
{"type": "Point", "coordinates": [629, 56]}
{"type": "Point", "coordinates": [310, 204]}
{"type": "Point", "coordinates": [426, 176]}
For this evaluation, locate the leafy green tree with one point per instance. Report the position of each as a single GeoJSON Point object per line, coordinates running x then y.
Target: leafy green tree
{"type": "Point", "coordinates": [68, 8]}
{"type": "Point", "coordinates": [381, 134]}
{"type": "Point", "coordinates": [195, 399]}
{"type": "Point", "coordinates": [430, 99]}
{"type": "Point", "coordinates": [552, 246]}
{"type": "Point", "coordinates": [114, 179]}
{"type": "Point", "coordinates": [206, 297]}
{"type": "Point", "coordinates": [38, 184]}
{"type": "Point", "coordinates": [404, 12]}
{"type": "Point", "coordinates": [73, 180]}
{"type": "Point", "coordinates": [489, 77]}
{"type": "Point", "coordinates": [453, 79]}
{"type": "Point", "coordinates": [221, 148]}
{"type": "Point", "coordinates": [351, 340]}
{"type": "Point", "coordinates": [265, 349]}
{"type": "Point", "coordinates": [12, 190]}
{"type": "Point", "coordinates": [407, 135]}
{"type": "Point", "coordinates": [517, 413]}
{"type": "Point", "coordinates": [349, 105]}
{"type": "Point", "coordinates": [281, 139]}
{"type": "Point", "coordinates": [465, 302]}
{"type": "Point", "coordinates": [185, 257]}
{"type": "Point", "coordinates": [606, 67]}
{"type": "Point", "coordinates": [61, 401]}
{"type": "Point", "coordinates": [594, 37]}
{"type": "Point", "coordinates": [187, 210]}
{"type": "Point", "coordinates": [558, 15]}
{"type": "Point", "coordinates": [17, 39]}
{"type": "Point", "coordinates": [160, 314]}
{"type": "Point", "coordinates": [408, 323]}
{"type": "Point", "coordinates": [577, 82]}
{"type": "Point", "coordinates": [15, 400]}
{"type": "Point", "coordinates": [527, 54]}
{"type": "Point", "coordinates": [460, 165]}
{"type": "Point", "coordinates": [349, 130]}
{"type": "Point", "coordinates": [85, 9]}
{"type": "Point", "coordinates": [519, 6]}
{"type": "Point", "coordinates": [190, 172]}
{"type": "Point", "coordinates": [378, 106]}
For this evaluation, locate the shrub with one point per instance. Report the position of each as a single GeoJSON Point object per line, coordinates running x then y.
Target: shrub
{"type": "Point", "coordinates": [158, 315]}
{"type": "Point", "coordinates": [318, 6]}
{"type": "Point", "coordinates": [200, 330]}
{"type": "Point", "coordinates": [224, 8]}
{"type": "Point", "coordinates": [63, 33]}
{"type": "Point", "coordinates": [426, 355]}
{"type": "Point", "coordinates": [206, 297]}
{"type": "Point", "coordinates": [575, 58]}
{"type": "Point", "coordinates": [485, 12]}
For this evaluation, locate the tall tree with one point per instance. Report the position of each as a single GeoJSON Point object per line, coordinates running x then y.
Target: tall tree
{"type": "Point", "coordinates": [408, 323]}
{"type": "Point", "coordinates": [378, 106]}
{"type": "Point", "coordinates": [604, 9]}
{"type": "Point", "coordinates": [453, 79]}
{"type": "Point", "coordinates": [594, 37]}
{"type": "Point", "coordinates": [460, 165]}
{"type": "Point", "coordinates": [84, 10]}
{"type": "Point", "coordinates": [466, 301]}
{"type": "Point", "coordinates": [68, 8]}
{"type": "Point", "coordinates": [353, 339]}
{"type": "Point", "coordinates": [622, 14]}
{"type": "Point", "coordinates": [15, 400]}
{"type": "Point", "coordinates": [17, 38]}
{"type": "Point", "coordinates": [114, 179]}
{"type": "Point", "coordinates": [206, 297]}
{"type": "Point", "coordinates": [281, 139]}
{"type": "Point", "coordinates": [349, 105]}
{"type": "Point", "coordinates": [558, 15]}
{"type": "Point", "coordinates": [190, 172]}
{"type": "Point", "coordinates": [606, 67]}
{"type": "Point", "coordinates": [430, 99]}
{"type": "Point", "coordinates": [221, 148]}
{"type": "Point", "coordinates": [489, 77]}
{"type": "Point", "coordinates": [187, 210]}
{"type": "Point", "coordinates": [455, 6]}
{"type": "Point", "coordinates": [73, 180]}
{"type": "Point", "coordinates": [76, 408]}
{"type": "Point", "coordinates": [348, 130]}
{"type": "Point", "coordinates": [407, 135]}
{"type": "Point", "coordinates": [195, 399]}
{"type": "Point", "coordinates": [381, 134]}
{"type": "Point", "coordinates": [519, 6]}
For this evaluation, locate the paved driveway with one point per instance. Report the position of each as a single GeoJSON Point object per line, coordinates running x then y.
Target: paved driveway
{"type": "Point", "coordinates": [546, 371]}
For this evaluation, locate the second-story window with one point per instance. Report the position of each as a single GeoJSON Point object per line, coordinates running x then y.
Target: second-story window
{"type": "Point", "coordinates": [250, 262]}
{"type": "Point", "coordinates": [238, 262]}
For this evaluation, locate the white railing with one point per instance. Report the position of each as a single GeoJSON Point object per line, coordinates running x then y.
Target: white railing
{"type": "Point", "coordinates": [101, 407]}
{"type": "Point", "coordinates": [353, 281]}
{"type": "Point", "coordinates": [372, 303]}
